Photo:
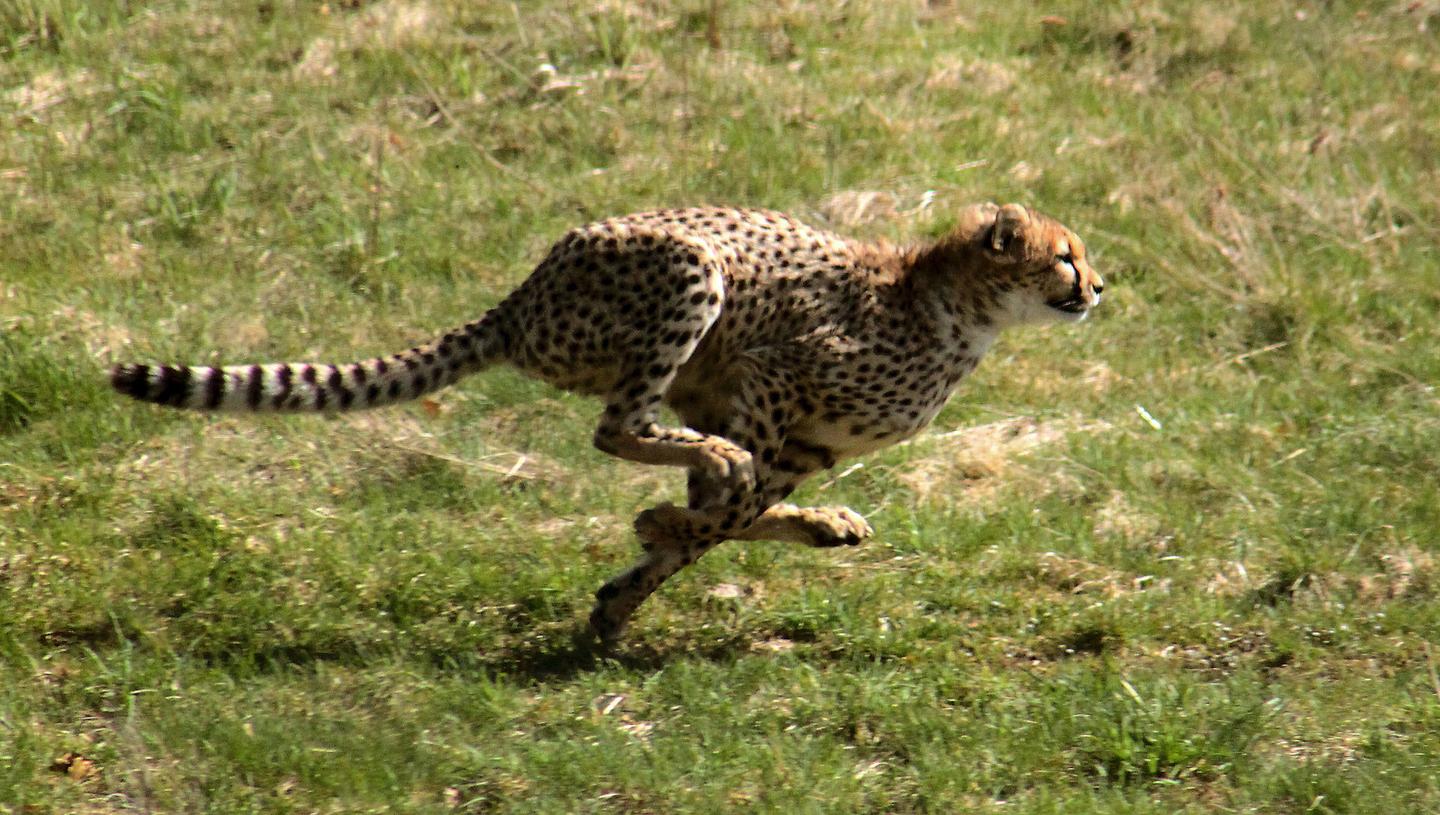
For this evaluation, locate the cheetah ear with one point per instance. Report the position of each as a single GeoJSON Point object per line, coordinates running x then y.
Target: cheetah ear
{"type": "Point", "coordinates": [975, 222]}
{"type": "Point", "coordinates": [1010, 223]}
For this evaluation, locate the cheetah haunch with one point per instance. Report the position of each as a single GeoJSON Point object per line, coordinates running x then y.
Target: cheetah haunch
{"type": "Point", "coordinates": [782, 348]}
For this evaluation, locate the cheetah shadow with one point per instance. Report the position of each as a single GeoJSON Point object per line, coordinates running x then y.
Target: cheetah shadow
{"type": "Point", "coordinates": [566, 658]}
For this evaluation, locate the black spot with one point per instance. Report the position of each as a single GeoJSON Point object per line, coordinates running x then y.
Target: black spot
{"type": "Point", "coordinates": [173, 386]}
{"type": "Point", "coordinates": [372, 393]}
{"type": "Point", "coordinates": [255, 386]}
{"type": "Point", "coordinates": [214, 388]}
{"type": "Point", "coordinates": [283, 376]}
{"type": "Point", "coordinates": [321, 397]}
{"type": "Point", "coordinates": [131, 380]}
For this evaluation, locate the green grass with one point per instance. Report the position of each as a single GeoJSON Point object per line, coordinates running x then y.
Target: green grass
{"type": "Point", "coordinates": [1188, 562]}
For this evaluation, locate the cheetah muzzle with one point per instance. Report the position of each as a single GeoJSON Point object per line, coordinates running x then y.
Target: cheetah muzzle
{"type": "Point", "coordinates": [783, 349]}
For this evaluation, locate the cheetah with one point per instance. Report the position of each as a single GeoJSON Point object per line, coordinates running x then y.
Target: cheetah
{"type": "Point", "coordinates": [782, 348]}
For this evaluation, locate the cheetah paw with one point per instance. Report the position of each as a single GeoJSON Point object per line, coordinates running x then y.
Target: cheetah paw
{"type": "Point", "coordinates": [607, 630]}
{"type": "Point", "coordinates": [731, 464]}
{"type": "Point", "coordinates": [837, 526]}
{"type": "Point", "coordinates": [663, 526]}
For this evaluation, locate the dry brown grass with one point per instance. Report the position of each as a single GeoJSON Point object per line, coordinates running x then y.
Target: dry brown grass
{"type": "Point", "coordinates": [974, 464]}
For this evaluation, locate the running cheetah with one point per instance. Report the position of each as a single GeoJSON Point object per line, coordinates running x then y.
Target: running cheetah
{"type": "Point", "coordinates": [782, 348]}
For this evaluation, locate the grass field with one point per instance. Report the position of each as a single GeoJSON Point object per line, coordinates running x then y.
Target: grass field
{"type": "Point", "coordinates": [1184, 560]}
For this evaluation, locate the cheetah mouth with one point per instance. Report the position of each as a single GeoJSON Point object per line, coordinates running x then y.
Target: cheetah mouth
{"type": "Point", "coordinates": [1069, 305]}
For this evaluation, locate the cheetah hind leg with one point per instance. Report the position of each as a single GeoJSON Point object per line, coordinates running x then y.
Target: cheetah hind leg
{"type": "Point", "coordinates": [628, 428]}
{"type": "Point", "coordinates": [644, 442]}
{"type": "Point", "coordinates": [820, 527]}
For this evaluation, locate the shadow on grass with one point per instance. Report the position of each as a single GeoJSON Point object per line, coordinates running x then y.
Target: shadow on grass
{"type": "Point", "coordinates": [564, 658]}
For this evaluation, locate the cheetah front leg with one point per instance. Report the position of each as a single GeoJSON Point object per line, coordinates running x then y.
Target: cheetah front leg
{"type": "Point", "coordinates": [821, 527]}
{"type": "Point", "coordinates": [813, 526]}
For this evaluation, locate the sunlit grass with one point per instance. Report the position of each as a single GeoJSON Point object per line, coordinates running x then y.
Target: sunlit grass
{"type": "Point", "coordinates": [1184, 563]}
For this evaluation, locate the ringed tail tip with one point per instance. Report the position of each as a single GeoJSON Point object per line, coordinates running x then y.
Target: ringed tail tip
{"type": "Point", "coordinates": [131, 379]}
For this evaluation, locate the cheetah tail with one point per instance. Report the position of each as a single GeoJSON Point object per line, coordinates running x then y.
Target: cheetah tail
{"type": "Point", "coordinates": [293, 387]}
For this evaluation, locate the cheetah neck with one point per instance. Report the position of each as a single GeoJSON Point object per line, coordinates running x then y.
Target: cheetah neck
{"type": "Point", "coordinates": [964, 307]}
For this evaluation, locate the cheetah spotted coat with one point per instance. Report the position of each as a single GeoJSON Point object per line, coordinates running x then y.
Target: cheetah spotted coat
{"type": "Point", "coordinates": [782, 348]}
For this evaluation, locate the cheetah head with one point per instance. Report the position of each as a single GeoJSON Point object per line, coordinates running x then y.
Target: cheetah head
{"type": "Point", "coordinates": [1038, 264]}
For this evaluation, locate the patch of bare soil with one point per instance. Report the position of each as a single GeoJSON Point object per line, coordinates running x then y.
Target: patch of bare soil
{"type": "Point", "coordinates": [1075, 576]}
{"type": "Point", "coordinates": [973, 462]}
{"type": "Point", "coordinates": [398, 433]}
{"type": "Point", "coordinates": [46, 90]}
{"type": "Point", "coordinates": [985, 77]}
{"type": "Point", "coordinates": [381, 26]}
{"type": "Point", "coordinates": [850, 208]}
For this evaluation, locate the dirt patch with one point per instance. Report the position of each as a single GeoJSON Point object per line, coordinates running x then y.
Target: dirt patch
{"type": "Point", "coordinates": [318, 61]}
{"type": "Point", "coordinates": [382, 26]}
{"type": "Point", "coordinates": [985, 77]}
{"type": "Point", "coordinates": [972, 460]}
{"type": "Point", "coordinates": [100, 338]}
{"type": "Point", "coordinates": [124, 256]}
{"type": "Point", "coordinates": [49, 89]}
{"type": "Point", "coordinates": [855, 207]}
{"type": "Point", "coordinates": [547, 80]}
{"type": "Point", "coordinates": [1231, 650]}
{"type": "Point", "coordinates": [1343, 748]}
{"type": "Point", "coordinates": [392, 432]}
{"type": "Point", "coordinates": [1075, 576]}
{"type": "Point", "coordinates": [1116, 518]}
{"type": "Point", "coordinates": [1229, 580]}
{"type": "Point", "coordinates": [1404, 573]}
{"type": "Point", "coordinates": [773, 645]}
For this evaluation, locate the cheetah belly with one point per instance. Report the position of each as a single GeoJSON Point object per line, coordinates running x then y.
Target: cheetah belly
{"type": "Point", "coordinates": [856, 435]}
